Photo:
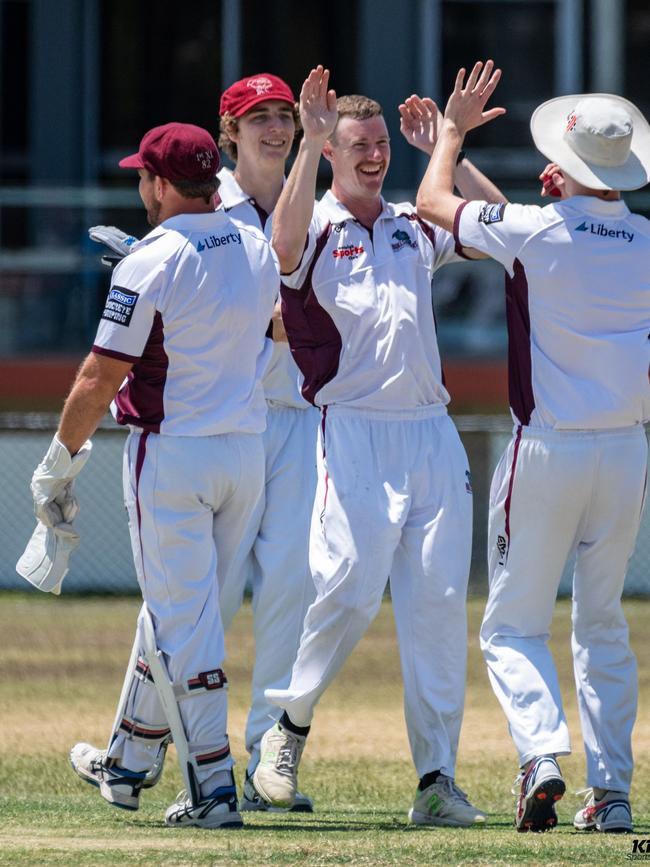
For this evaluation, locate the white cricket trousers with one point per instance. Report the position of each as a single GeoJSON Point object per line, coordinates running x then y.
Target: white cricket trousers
{"type": "Point", "coordinates": [193, 503]}
{"type": "Point", "coordinates": [278, 567]}
{"type": "Point", "coordinates": [393, 498]}
{"type": "Point", "coordinates": [555, 494]}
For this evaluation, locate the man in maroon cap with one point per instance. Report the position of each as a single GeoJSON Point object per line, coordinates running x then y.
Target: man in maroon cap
{"type": "Point", "coordinates": [179, 353]}
{"type": "Point", "coordinates": [258, 125]}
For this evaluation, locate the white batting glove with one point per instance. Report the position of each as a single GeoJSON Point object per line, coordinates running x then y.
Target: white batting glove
{"type": "Point", "coordinates": [117, 241]}
{"type": "Point", "coordinates": [54, 502]}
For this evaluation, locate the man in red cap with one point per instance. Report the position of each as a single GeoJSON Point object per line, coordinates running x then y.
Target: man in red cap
{"type": "Point", "coordinates": [179, 352]}
{"type": "Point", "coordinates": [257, 128]}
{"type": "Point", "coordinates": [258, 123]}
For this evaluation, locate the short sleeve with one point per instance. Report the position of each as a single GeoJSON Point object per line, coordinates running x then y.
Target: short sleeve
{"type": "Point", "coordinates": [317, 227]}
{"type": "Point", "coordinates": [130, 308]}
{"type": "Point", "coordinates": [499, 230]}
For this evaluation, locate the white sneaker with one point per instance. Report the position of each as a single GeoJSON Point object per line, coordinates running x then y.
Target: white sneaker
{"type": "Point", "coordinates": [251, 801]}
{"type": "Point", "coordinates": [217, 811]}
{"type": "Point", "coordinates": [541, 787]}
{"type": "Point", "coordinates": [611, 814]}
{"type": "Point", "coordinates": [443, 803]}
{"type": "Point", "coordinates": [118, 786]}
{"type": "Point", "coordinates": [276, 776]}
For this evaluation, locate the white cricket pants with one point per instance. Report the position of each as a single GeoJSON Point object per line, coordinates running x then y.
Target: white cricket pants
{"type": "Point", "coordinates": [394, 498]}
{"type": "Point", "coordinates": [193, 506]}
{"type": "Point", "coordinates": [278, 567]}
{"type": "Point", "coordinates": [555, 494]}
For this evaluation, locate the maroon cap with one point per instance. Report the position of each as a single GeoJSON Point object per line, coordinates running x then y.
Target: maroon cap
{"type": "Point", "coordinates": [243, 95]}
{"type": "Point", "coordinates": [178, 152]}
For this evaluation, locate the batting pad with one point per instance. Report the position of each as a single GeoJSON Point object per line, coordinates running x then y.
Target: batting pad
{"type": "Point", "coordinates": [44, 562]}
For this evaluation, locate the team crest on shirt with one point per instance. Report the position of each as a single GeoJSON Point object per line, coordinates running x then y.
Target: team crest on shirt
{"type": "Point", "coordinates": [491, 213]}
{"type": "Point", "coordinates": [402, 239]}
{"type": "Point", "coordinates": [120, 305]}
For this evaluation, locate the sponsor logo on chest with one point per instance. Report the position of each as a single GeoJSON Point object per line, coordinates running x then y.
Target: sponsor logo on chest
{"type": "Point", "coordinates": [601, 230]}
{"type": "Point", "coordinates": [348, 251]}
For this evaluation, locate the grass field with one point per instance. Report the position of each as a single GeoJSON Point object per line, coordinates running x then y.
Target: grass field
{"type": "Point", "coordinates": [61, 667]}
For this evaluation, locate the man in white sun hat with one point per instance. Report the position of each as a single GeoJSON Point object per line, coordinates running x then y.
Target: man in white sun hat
{"type": "Point", "coordinates": [572, 481]}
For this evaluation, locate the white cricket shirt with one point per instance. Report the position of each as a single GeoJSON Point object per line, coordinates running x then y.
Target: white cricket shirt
{"type": "Point", "coordinates": [282, 380]}
{"type": "Point", "coordinates": [190, 306]}
{"type": "Point", "coordinates": [578, 308]}
{"type": "Point", "coordinates": [358, 309]}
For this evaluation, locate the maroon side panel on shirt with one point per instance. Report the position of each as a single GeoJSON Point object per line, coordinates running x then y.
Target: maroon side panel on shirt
{"type": "Point", "coordinates": [520, 380]}
{"type": "Point", "coordinates": [314, 339]}
{"type": "Point", "coordinates": [140, 401]}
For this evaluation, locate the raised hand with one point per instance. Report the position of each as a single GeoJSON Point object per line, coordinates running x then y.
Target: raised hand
{"type": "Point", "coordinates": [466, 105]}
{"type": "Point", "coordinates": [420, 121]}
{"type": "Point", "coordinates": [318, 113]}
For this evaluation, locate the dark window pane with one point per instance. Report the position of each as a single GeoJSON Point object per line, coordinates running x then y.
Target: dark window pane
{"type": "Point", "coordinates": [157, 66]}
{"type": "Point", "coordinates": [520, 39]}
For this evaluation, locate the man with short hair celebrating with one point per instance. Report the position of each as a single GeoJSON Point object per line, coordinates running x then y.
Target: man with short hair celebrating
{"type": "Point", "coordinates": [394, 495]}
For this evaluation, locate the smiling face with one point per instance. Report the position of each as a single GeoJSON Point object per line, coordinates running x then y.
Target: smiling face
{"type": "Point", "coordinates": [265, 133]}
{"type": "Point", "coordinates": [359, 152]}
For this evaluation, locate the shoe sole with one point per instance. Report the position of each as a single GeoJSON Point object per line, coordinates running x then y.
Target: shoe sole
{"type": "Point", "coordinates": [539, 812]}
{"type": "Point", "coordinates": [422, 820]}
{"type": "Point", "coordinates": [229, 824]}
{"type": "Point", "coordinates": [251, 807]}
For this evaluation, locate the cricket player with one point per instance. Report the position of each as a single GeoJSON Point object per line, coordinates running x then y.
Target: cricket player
{"type": "Point", "coordinates": [180, 348]}
{"type": "Point", "coordinates": [572, 481]}
{"type": "Point", "coordinates": [394, 494]}
{"type": "Point", "coordinates": [258, 122]}
{"type": "Point", "coordinates": [258, 127]}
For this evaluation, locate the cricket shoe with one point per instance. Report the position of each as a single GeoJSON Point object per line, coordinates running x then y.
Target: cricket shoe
{"type": "Point", "coordinates": [251, 801]}
{"type": "Point", "coordinates": [610, 814]}
{"type": "Point", "coordinates": [541, 787]}
{"type": "Point", "coordinates": [118, 786]}
{"type": "Point", "coordinates": [276, 777]}
{"type": "Point", "coordinates": [443, 803]}
{"type": "Point", "coordinates": [219, 810]}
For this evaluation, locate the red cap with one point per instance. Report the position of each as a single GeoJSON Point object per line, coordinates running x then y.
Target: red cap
{"type": "Point", "coordinates": [178, 152]}
{"type": "Point", "coordinates": [243, 95]}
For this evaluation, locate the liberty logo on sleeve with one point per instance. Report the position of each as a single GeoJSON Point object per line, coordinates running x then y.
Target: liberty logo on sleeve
{"type": "Point", "coordinates": [120, 305]}
{"type": "Point", "coordinates": [491, 213]}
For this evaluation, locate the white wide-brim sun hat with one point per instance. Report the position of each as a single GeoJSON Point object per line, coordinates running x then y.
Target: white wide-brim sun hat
{"type": "Point", "coordinates": [601, 140]}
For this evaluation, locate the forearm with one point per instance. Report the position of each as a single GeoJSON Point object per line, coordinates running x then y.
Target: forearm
{"type": "Point", "coordinates": [277, 325]}
{"type": "Point", "coordinates": [473, 184]}
{"type": "Point", "coordinates": [295, 207]}
{"type": "Point", "coordinates": [435, 199]}
{"type": "Point", "coordinates": [85, 407]}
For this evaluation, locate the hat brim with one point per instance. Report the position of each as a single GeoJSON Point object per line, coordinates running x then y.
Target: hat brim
{"type": "Point", "coordinates": [548, 124]}
{"type": "Point", "coordinates": [132, 162]}
{"type": "Point", "coordinates": [263, 97]}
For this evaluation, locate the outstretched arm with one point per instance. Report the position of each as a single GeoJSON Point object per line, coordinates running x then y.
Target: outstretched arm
{"type": "Point", "coordinates": [295, 206]}
{"type": "Point", "coordinates": [420, 124]}
{"type": "Point", "coordinates": [465, 110]}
